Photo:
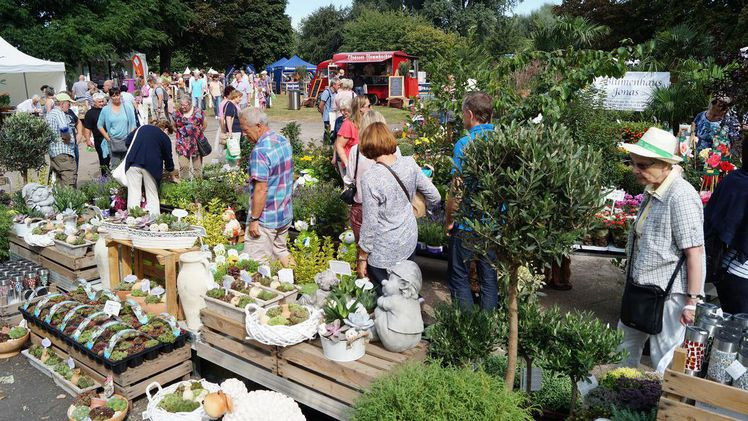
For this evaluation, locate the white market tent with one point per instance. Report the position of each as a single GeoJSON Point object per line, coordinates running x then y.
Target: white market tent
{"type": "Point", "coordinates": [24, 75]}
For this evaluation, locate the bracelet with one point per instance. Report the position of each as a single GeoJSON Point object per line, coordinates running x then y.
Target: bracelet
{"type": "Point", "coordinates": [695, 296]}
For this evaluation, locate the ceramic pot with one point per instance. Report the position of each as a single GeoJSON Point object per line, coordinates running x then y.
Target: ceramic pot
{"type": "Point", "coordinates": [600, 237]}
{"type": "Point", "coordinates": [101, 253]}
{"type": "Point", "coordinates": [341, 352]}
{"type": "Point", "coordinates": [13, 347]}
{"type": "Point", "coordinates": [20, 228]}
{"type": "Point", "coordinates": [192, 283]}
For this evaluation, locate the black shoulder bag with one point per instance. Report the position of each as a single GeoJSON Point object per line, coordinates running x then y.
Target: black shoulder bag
{"type": "Point", "coordinates": [349, 193]}
{"type": "Point", "coordinates": [642, 305]}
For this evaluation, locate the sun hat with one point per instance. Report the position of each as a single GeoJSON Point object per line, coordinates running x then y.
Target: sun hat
{"type": "Point", "coordinates": [264, 72]}
{"type": "Point", "coordinates": [657, 144]}
{"type": "Point", "coordinates": [62, 96]}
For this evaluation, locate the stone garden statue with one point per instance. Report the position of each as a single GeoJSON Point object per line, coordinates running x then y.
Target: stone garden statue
{"type": "Point", "coordinates": [398, 320]}
{"type": "Point", "coordinates": [38, 197]}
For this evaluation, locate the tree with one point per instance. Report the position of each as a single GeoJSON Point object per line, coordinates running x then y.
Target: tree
{"type": "Point", "coordinates": [564, 31]}
{"type": "Point", "coordinates": [263, 32]}
{"type": "Point", "coordinates": [463, 16]}
{"type": "Point", "coordinates": [24, 143]}
{"type": "Point", "coordinates": [547, 189]}
{"type": "Point", "coordinates": [321, 33]}
{"type": "Point", "coordinates": [377, 31]}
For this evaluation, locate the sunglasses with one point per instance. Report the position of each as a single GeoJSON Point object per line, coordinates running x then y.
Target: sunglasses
{"type": "Point", "coordinates": [641, 165]}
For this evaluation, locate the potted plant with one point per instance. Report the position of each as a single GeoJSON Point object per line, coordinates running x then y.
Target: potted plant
{"type": "Point", "coordinates": [96, 407]}
{"type": "Point", "coordinates": [24, 143]}
{"type": "Point", "coordinates": [432, 235]}
{"type": "Point", "coordinates": [345, 329]}
{"type": "Point", "coordinates": [12, 340]}
{"type": "Point", "coordinates": [618, 225]}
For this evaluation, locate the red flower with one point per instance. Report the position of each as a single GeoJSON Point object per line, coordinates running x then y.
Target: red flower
{"type": "Point", "coordinates": [726, 166]}
{"type": "Point", "coordinates": [723, 149]}
{"type": "Point", "coordinates": [713, 160]}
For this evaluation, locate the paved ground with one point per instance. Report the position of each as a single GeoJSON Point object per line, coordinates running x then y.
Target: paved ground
{"type": "Point", "coordinates": [33, 396]}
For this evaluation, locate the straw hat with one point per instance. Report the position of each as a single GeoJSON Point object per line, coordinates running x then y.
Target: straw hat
{"type": "Point", "coordinates": [657, 144]}
{"type": "Point", "coordinates": [62, 96]}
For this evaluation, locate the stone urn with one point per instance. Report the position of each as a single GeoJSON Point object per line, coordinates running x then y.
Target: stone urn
{"type": "Point", "coordinates": [193, 282]}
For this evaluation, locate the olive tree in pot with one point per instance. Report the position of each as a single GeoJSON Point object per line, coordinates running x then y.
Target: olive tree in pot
{"type": "Point", "coordinates": [528, 193]}
{"type": "Point", "coordinates": [580, 341]}
{"type": "Point", "coordinates": [24, 143]}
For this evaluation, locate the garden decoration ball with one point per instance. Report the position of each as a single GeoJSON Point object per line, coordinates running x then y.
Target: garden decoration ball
{"type": "Point", "coordinates": [38, 197]}
{"type": "Point", "coordinates": [233, 229]}
{"type": "Point", "coordinates": [398, 318]}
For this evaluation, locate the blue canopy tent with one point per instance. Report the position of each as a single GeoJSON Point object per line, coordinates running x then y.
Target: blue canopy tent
{"type": "Point", "coordinates": [280, 62]}
{"type": "Point", "coordinates": [289, 67]}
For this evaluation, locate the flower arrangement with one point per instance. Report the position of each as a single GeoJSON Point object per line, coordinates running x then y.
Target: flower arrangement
{"type": "Point", "coordinates": [716, 160]}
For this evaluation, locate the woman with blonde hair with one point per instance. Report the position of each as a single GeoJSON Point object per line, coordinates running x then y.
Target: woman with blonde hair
{"type": "Point", "coordinates": [348, 133]}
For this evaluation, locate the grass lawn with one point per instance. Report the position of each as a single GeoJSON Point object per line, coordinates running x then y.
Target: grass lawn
{"type": "Point", "coordinates": [280, 112]}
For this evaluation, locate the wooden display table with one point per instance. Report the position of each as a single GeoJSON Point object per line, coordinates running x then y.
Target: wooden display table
{"type": "Point", "coordinates": [64, 269]}
{"type": "Point", "coordinates": [678, 389]}
{"type": "Point", "coordinates": [300, 371]}
{"type": "Point", "coordinates": [156, 264]}
{"type": "Point", "coordinates": [175, 365]}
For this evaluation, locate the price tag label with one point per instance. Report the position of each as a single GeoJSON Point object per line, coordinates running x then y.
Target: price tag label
{"type": "Point", "coordinates": [46, 343]}
{"type": "Point", "coordinates": [70, 315]}
{"type": "Point", "coordinates": [145, 285]}
{"type": "Point", "coordinates": [264, 270]}
{"type": "Point", "coordinates": [114, 339]}
{"type": "Point", "coordinates": [81, 327]}
{"type": "Point", "coordinates": [179, 213]}
{"type": "Point", "coordinates": [142, 317]}
{"type": "Point", "coordinates": [158, 291]}
{"type": "Point", "coordinates": [285, 275]}
{"type": "Point", "coordinates": [340, 268]}
{"type": "Point", "coordinates": [616, 195]}
{"type": "Point", "coordinates": [55, 308]}
{"type": "Point", "coordinates": [43, 301]}
{"type": "Point", "coordinates": [71, 363]}
{"type": "Point", "coordinates": [112, 308]}
{"type": "Point", "coordinates": [227, 281]}
{"type": "Point", "coordinates": [99, 330]}
{"type": "Point", "coordinates": [130, 279]}
{"type": "Point", "coordinates": [736, 370]}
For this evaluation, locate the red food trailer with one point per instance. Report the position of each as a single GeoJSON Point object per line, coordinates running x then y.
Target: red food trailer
{"type": "Point", "coordinates": [373, 73]}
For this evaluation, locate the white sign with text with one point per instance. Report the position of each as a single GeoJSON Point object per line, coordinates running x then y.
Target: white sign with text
{"type": "Point", "coordinates": [632, 92]}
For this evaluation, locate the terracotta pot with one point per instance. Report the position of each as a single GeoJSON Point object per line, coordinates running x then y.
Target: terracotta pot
{"type": "Point", "coordinates": [122, 295]}
{"type": "Point", "coordinates": [157, 308]}
{"type": "Point", "coordinates": [13, 347]}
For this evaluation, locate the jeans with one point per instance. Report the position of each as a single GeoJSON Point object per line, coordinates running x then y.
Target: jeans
{"type": "Point", "coordinates": [458, 273]}
{"type": "Point", "coordinates": [216, 104]}
{"type": "Point", "coordinates": [103, 162]}
{"type": "Point", "coordinates": [732, 291]}
{"type": "Point", "coordinates": [197, 102]}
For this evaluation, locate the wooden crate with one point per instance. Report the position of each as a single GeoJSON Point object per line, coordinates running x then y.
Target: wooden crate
{"type": "Point", "coordinates": [60, 264]}
{"type": "Point", "coordinates": [300, 371]}
{"type": "Point", "coordinates": [679, 388]}
{"type": "Point", "coordinates": [131, 384]}
{"type": "Point", "coordinates": [125, 259]}
{"type": "Point", "coordinates": [9, 313]}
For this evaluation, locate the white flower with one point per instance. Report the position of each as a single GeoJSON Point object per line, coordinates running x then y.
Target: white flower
{"type": "Point", "coordinates": [538, 119]}
{"type": "Point", "coordinates": [130, 221]}
{"type": "Point", "coordinates": [364, 284]}
{"type": "Point", "coordinates": [219, 250]}
{"type": "Point", "coordinates": [301, 225]}
{"type": "Point", "coordinates": [312, 220]}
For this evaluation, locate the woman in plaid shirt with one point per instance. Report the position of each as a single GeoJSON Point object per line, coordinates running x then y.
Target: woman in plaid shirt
{"type": "Point", "coordinates": [669, 225]}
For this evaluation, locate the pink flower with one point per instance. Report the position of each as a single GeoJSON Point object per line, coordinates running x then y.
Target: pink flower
{"type": "Point", "coordinates": [714, 160]}
{"type": "Point", "coordinates": [705, 196]}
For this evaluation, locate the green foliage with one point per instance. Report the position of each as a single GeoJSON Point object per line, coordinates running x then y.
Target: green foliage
{"type": "Point", "coordinates": [554, 394]}
{"type": "Point", "coordinates": [117, 404]}
{"type": "Point", "coordinates": [322, 202]}
{"type": "Point", "coordinates": [629, 415]}
{"type": "Point", "coordinates": [6, 224]}
{"type": "Point", "coordinates": [419, 391]}
{"type": "Point", "coordinates": [316, 160]}
{"type": "Point", "coordinates": [17, 332]}
{"type": "Point", "coordinates": [393, 30]}
{"type": "Point", "coordinates": [24, 143]}
{"type": "Point", "coordinates": [431, 232]}
{"type": "Point", "coordinates": [80, 413]}
{"type": "Point", "coordinates": [292, 132]}
{"type": "Point", "coordinates": [67, 197]}
{"type": "Point", "coordinates": [85, 382]}
{"type": "Point", "coordinates": [311, 258]}
{"type": "Point", "coordinates": [549, 186]}
{"type": "Point", "coordinates": [173, 402]}
{"type": "Point", "coordinates": [321, 33]}
{"type": "Point", "coordinates": [463, 338]}
{"type": "Point", "coordinates": [566, 31]}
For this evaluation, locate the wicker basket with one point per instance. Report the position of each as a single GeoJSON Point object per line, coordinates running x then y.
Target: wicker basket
{"type": "Point", "coordinates": [115, 231]}
{"type": "Point", "coordinates": [280, 335]}
{"type": "Point", "coordinates": [154, 413]}
{"type": "Point", "coordinates": [165, 240]}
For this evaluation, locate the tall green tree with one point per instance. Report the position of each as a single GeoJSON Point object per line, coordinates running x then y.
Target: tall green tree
{"type": "Point", "coordinates": [263, 32]}
{"type": "Point", "coordinates": [464, 16]}
{"type": "Point", "coordinates": [376, 31]}
{"type": "Point", "coordinates": [321, 33]}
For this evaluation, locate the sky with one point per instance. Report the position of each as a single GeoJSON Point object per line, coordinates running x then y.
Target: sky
{"type": "Point", "coordinates": [298, 9]}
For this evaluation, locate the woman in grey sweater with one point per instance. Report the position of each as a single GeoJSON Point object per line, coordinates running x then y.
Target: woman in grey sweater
{"type": "Point", "coordinates": [389, 231]}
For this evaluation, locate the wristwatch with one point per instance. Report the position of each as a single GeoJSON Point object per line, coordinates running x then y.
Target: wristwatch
{"type": "Point", "coordinates": [253, 219]}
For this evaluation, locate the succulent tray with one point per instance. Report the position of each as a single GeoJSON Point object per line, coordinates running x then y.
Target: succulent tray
{"type": "Point", "coordinates": [232, 311]}
{"type": "Point", "coordinates": [61, 381]}
{"type": "Point", "coordinates": [73, 250]}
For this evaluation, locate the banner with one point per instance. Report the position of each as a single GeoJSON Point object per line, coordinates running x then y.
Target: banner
{"type": "Point", "coordinates": [139, 65]}
{"type": "Point", "coordinates": [632, 92]}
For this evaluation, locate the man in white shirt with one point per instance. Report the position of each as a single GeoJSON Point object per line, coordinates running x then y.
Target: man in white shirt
{"type": "Point", "coordinates": [30, 105]}
{"type": "Point", "coordinates": [80, 88]}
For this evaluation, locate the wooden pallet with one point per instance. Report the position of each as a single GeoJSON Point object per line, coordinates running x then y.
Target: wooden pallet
{"type": "Point", "coordinates": [60, 264]}
{"type": "Point", "coordinates": [131, 384]}
{"type": "Point", "coordinates": [125, 259]}
{"type": "Point", "coordinates": [679, 388]}
{"type": "Point", "coordinates": [300, 371]}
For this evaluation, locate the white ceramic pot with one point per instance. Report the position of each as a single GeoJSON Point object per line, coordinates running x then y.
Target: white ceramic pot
{"type": "Point", "coordinates": [20, 229]}
{"type": "Point", "coordinates": [341, 352]}
{"type": "Point", "coordinates": [192, 283]}
{"type": "Point", "coordinates": [101, 254]}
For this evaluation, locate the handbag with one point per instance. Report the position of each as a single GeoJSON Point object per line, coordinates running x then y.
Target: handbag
{"type": "Point", "coordinates": [642, 305]}
{"type": "Point", "coordinates": [203, 146]}
{"type": "Point", "coordinates": [418, 210]}
{"type": "Point", "coordinates": [119, 173]}
{"type": "Point", "coordinates": [349, 193]}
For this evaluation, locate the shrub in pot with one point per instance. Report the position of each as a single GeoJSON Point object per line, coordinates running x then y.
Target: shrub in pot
{"type": "Point", "coordinates": [463, 338]}
{"type": "Point", "coordinates": [24, 143]}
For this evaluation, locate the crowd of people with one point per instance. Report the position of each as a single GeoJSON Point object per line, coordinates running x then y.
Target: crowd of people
{"type": "Point", "coordinates": [666, 246]}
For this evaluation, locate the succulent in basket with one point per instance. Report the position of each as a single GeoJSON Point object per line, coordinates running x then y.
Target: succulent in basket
{"type": "Point", "coordinates": [186, 398]}
{"type": "Point", "coordinates": [36, 351]}
{"type": "Point", "coordinates": [138, 293]}
{"type": "Point", "coordinates": [216, 293]}
{"type": "Point", "coordinates": [84, 382]}
{"type": "Point", "coordinates": [117, 404]}
{"type": "Point", "coordinates": [242, 301]}
{"type": "Point", "coordinates": [153, 299]}
{"type": "Point", "coordinates": [101, 413]}
{"type": "Point", "coordinates": [17, 332]}
{"type": "Point", "coordinates": [285, 315]}
{"type": "Point", "coordinates": [80, 413]}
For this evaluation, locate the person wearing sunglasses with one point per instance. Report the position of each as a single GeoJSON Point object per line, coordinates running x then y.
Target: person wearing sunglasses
{"type": "Point", "coordinates": [665, 249]}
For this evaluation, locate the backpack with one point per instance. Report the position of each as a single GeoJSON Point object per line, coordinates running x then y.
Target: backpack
{"type": "Point", "coordinates": [715, 250]}
{"type": "Point", "coordinates": [319, 97]}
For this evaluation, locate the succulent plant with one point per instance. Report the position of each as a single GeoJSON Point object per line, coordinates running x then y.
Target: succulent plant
{"type": "Point", "coordinates": [278, 321]}
{"type": "Point", "coordinates": [118, 356]}
{"type": "Point", "coordinates": [217, 293]}
{"type": "Point", "coordinates": [85, 382]}
{"type": "Point", "coordinates": [179, 226]}
{"type": "Point", "coordinates": [117, 404]}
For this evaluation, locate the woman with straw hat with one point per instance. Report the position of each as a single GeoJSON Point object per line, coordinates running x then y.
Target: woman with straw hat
{"type": "Point", "coordinates": [665, 251]}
